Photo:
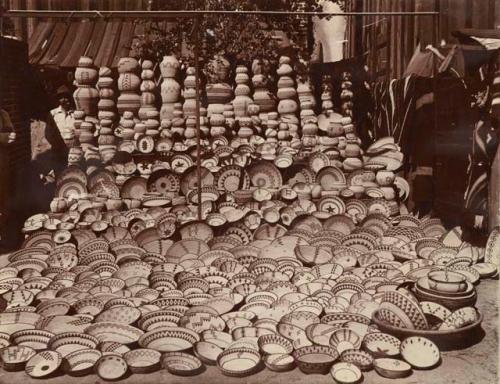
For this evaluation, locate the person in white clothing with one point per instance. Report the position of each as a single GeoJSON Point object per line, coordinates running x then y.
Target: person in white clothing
{"type": "Point", "coordinates": [329, 34]}
{"type": "Point", "coordinates": [63, 115]}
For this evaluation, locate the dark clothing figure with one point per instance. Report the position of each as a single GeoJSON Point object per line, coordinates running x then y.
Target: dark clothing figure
{"type": "Point", "coordinates": [7, 136]}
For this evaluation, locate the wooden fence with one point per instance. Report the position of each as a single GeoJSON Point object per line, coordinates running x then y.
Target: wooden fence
{"type": "Point", "coordinates": [387, 43]}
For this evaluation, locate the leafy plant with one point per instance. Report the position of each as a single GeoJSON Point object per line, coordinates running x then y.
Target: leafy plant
{"type": "Point", "coordinates": [240, 38]}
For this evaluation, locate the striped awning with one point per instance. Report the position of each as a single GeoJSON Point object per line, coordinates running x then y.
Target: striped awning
{"type": "Point", "coordinates": [61, 43]}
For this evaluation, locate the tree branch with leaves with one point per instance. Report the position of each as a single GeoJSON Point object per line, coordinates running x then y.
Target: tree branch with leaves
{"type": "Point", "coordinates": [240, 38]}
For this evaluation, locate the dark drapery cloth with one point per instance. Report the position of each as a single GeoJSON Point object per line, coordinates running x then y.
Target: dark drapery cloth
{"type": "Point", "coordinates": [394, 105]}
{"type": "Point", "coordinates": [484, 141]}
{"type": "Point", "coordinates": [421, 146]}
{"type": "Point", "coordinates": [435, 146]}
{"type": "Point", "coordinates": [476, 193]}
{"type": "Point", "coordinates": [404, 108]}
{"type": "Point", "coordinates": [6, 127]}
{"type": "Point", "coordinates": [453, 141]}
{"type": "Point", "coordinates": [447, 135]}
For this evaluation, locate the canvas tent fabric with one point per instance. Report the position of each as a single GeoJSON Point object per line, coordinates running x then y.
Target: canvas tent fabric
{"type": "Point", "coordinates": [61, 43]}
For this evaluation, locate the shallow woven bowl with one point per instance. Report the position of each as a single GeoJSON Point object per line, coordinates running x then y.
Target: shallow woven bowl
{"type": "Point", "coordinates": [15, 357]}
{"type": "Point", "coordinates": [391, 368]}
{"type": "Point", "coordinates": [315, 358]}
{"type": "Point", "coordinates": [345, 373]}
{"type": "Point", "coordinates": [447, 281]}
{"type": "Point", "coordinates": [238, 362]}
{"type": "Point", "coordinates": [181, 364]}
{"type": "Point", "coordinates": [279, 362]}
{"type": "Point", "coordinates": [142, 360]}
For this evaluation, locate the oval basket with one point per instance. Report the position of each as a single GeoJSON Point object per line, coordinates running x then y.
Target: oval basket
{"type": "Point", "coordinates": [446, 340]}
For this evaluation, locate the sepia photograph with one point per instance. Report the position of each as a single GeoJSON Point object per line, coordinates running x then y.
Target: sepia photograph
{"type": "Point", "coordinates": [249, 191]}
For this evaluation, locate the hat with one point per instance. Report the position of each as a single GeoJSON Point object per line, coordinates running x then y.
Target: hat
{"type": "Point", "coordinates": [63, 90]}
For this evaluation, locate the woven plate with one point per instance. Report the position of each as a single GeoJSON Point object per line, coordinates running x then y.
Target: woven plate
{"type": "Point", "coordinates": [265, 174]}
{"type": "Point", "coordinates": [163, 181]}
{"type": "Point", "coordinates": [181, 162]}
{"type": "Point", "coordinates": [232, 178]}
{"type": "Point", "coordinates": [331, 178]}
{"type": "Point", "coordinates": [318, 161]}
{"type": "Point", "coordinates": [134, 188]}
{"type": "Point", "coordinates": [189, 179]}
{"type": "Point", "coordinates": [145, 144]}
{"type": "Point", "coordinates": [70, 187]}
{"type": "Point", "coordinates": [72, 172]}
{"type": "Point", "coordinates": [332, 204]}
{"type": "Point", "coordinates": [106, 189]}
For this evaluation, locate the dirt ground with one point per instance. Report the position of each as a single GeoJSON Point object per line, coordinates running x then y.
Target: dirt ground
{"type": "Point", "coordinates": [477, 364]}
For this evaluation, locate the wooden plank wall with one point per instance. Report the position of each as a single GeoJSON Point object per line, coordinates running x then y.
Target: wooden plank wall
{"type": "Point", "coordinates": [389, 42]}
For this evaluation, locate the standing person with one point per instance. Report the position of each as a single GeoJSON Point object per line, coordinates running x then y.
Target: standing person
{"type": "Point", "coordinates": [329, 33]}
{"type": "Point", "coordinates": [63, 115]}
